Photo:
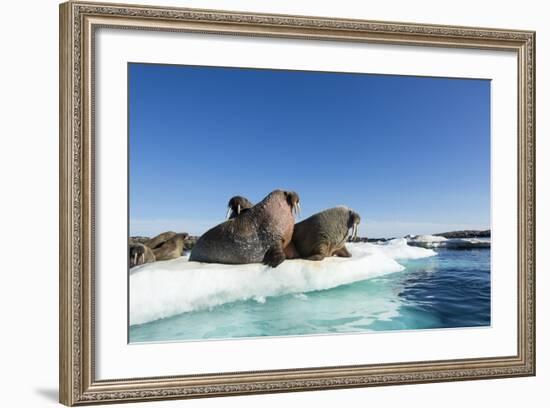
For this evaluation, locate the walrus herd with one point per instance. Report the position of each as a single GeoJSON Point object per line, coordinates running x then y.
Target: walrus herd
{"type": "Point", "coordinates": [263, 233]}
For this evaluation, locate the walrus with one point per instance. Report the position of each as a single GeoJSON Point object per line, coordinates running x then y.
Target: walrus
{"type": "Point", "coordinates": [163, 247]}
{"type": "Point", "coordinates": [236, 205]}
{"type": "Point", "coordinates": [259, 234]}
{"type": "Point", "coordinates": [140, 254]}
{"type": "Point", "coordinates": [159, 239]}
{"type": "Point", "coordinates": [171, 248]}
{"type": "Point", "coordinates": [325, 233]}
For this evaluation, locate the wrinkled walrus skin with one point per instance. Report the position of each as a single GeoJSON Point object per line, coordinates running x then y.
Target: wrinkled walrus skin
{"type": "Point", "coordinates": [325, 233]}
{"type": "Point", "coordinates": [259, 234]}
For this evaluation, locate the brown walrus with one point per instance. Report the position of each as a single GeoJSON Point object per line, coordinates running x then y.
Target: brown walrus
{"type": "Point", "coordinates": [325, 234]}
{"type": "Point", "coordinates": [259, 234]}
{"type": "Point", "coordinates": [163, 247]}
{"type": "Point", "coordinates": [140, 254]}
{"type": "Point", "coordinates": [159, 239]}
{"type": "Point", "coordinates": [237, 204]}
{"type": "Point", "coordinates": [171, 248]}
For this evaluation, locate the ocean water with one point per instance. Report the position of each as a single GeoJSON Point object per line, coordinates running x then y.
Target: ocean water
{"type": "Point", "coordinates": [391, 286]}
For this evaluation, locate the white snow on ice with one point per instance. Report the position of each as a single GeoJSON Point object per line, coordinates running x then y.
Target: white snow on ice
{"type": "Point", "coordinates": [433, 241]}
{"type": "Point", "coordinates": [167, 288]}
{"type": "Point", "coordinates": [429, 238]}
{"type": "Point", "coordinates": [395, 249]}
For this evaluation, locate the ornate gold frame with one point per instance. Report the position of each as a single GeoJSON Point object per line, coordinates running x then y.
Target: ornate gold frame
{"type": "Point", "coordinates": [78, 21]}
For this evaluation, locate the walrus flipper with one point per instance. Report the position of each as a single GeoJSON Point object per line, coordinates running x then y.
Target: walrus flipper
{"type": "Point", "coordinates": [274, 256]}
{"type": "Point", "coordinates": [316, 257]}
{"type": "Point", "coordinates": [319, 253]}
{"type": "Point", "coordinates": [342, 252]}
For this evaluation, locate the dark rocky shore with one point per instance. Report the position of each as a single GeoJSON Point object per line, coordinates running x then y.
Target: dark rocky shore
{"type": "Point", "coordinates": [138, 240]}
{"type": "Point", "coordinates": [372, 240]}
{"type": "Point", "coordinates": [465, 234]}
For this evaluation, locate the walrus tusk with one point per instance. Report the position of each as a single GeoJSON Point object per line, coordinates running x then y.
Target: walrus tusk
{"type": "Point", "coordinates": [238, 209]}
{"type": "Point", "coordinates": [353, 232]}
{"type": "Point", "coordinates": [135, 258]}
{"type": "Point", "coordinates": [296, 208]}
{"type": "Point", "coordinates": [228, 213]}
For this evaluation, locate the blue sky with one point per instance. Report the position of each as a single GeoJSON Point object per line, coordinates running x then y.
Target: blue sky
{"type": "Point", "coordinates": [410, 154]}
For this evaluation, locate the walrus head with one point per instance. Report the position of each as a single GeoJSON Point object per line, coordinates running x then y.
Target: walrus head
{"type": "Point", "coordinates": [353, 223]}
{"type": "Point", "coordinates": [293, 201]}
{"type": "Point", "coordinates": [237, 204]}
{"type": "Point", "coordinates": [181, 236]}
{"type": "Point", "coordinates": [140, 254]}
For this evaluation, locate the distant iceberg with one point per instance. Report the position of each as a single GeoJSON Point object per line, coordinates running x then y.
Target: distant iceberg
{"type": "Point", "coordinates": [167, 288]}
{"type": "Point", "coordinates": [434, 241]}
{"type": "Point", "coordinates": [398, 248]}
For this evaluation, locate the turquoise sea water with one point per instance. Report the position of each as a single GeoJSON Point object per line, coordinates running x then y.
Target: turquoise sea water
{"type": "Point", "coordinates": [450, 289]}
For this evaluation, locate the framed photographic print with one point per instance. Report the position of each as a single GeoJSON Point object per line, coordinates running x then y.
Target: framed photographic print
{"type": "Point", "coordinates": [255, 203]}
